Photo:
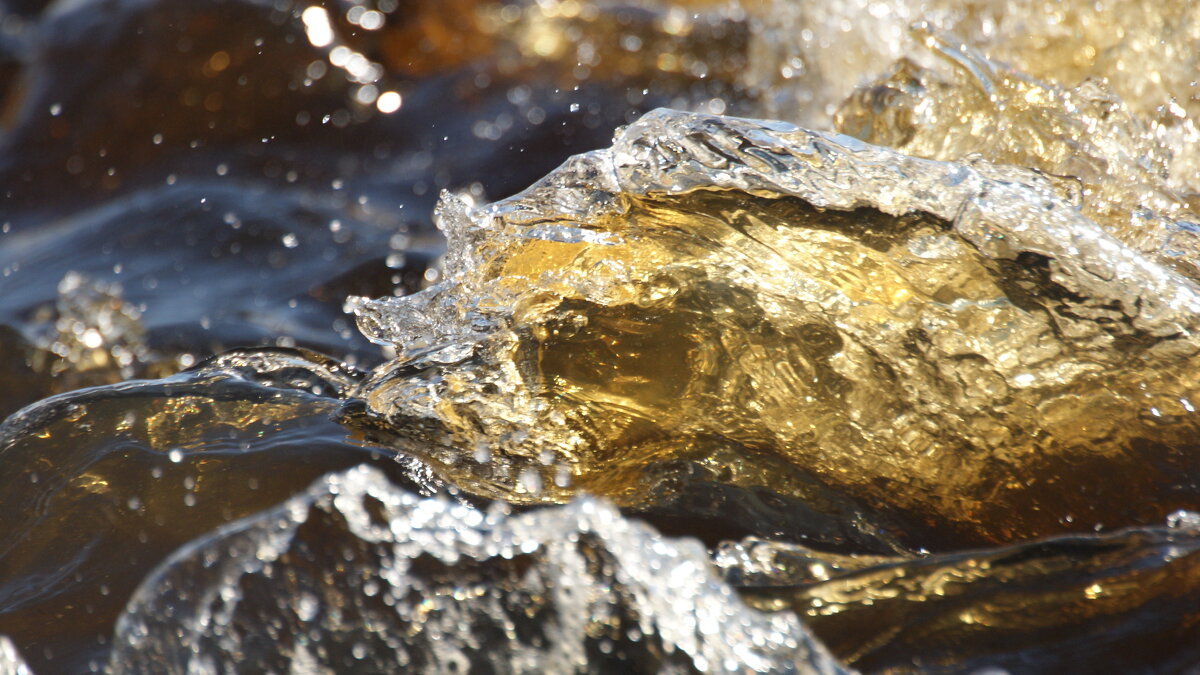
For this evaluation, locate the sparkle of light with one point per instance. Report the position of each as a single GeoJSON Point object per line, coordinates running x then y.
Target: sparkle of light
{"type": "Point", "coordinates": [388, 102]}
{"type": "Point", "coordinates": [317, 26]}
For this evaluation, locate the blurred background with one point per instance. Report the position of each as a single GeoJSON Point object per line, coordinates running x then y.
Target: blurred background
{"type": "Point", "coordinates": [178, 177]}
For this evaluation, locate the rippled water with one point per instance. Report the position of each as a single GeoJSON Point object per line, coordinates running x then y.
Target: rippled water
{"type": "Point", "coordinates": [912, 392]}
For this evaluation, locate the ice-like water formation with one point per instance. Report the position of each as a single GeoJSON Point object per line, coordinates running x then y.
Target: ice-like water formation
{"type": "Point", "coordinates": [94, 335]}
{"type": "Point", "coordinates": [1040, 606]}
{"type": "Point", "coordinates": [1120, 168]}
{"type": "Point", "coordinates": [805, 58]}
{"type": "Point", "coordinates": [357, 575]}
{"type": "Point", "coordinates": [942, 337]}
{"type": "Point", "coordinates": [11, 662]}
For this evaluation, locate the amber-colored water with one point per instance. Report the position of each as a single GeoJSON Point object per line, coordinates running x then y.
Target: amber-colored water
{"type": "Point", "coordinates": [929, 404]}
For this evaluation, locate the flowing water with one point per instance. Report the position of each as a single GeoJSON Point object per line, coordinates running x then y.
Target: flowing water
{"type": "Point", "coordinates": [596, 336]}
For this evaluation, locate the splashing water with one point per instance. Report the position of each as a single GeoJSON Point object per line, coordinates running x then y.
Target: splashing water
{"type": "Point", "coordinates": [907, 340]}
{"type": "Point", "coordinates": [360, 575]}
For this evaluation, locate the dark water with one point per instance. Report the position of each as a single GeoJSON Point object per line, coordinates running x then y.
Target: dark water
{"type": "Point", "coordinates": [183, 151]}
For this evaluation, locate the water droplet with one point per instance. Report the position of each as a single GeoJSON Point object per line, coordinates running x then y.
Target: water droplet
{"type": "Point", "coordinates": [531, 481]}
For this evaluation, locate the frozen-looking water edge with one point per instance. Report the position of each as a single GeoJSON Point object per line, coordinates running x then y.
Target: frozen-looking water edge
{"type": "Point", "coordinates": [356, 574]}
{"type": "Point", "coordinates": [11, 662]}
{"type": "Point", "coordinates": [1003, 210]}
{"type": "Point", "coordinates": [936, 336]}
